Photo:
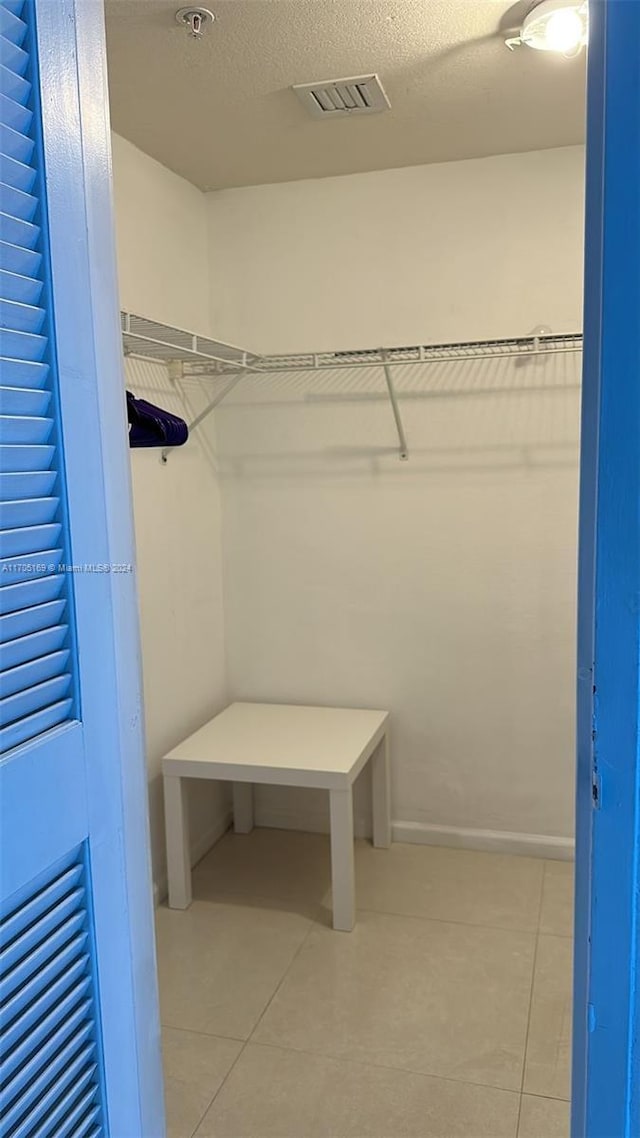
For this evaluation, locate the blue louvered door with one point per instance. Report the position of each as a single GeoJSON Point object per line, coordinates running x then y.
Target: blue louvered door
{"type": "Point", "coordinates": [79, 1051]}
{"type": "Point", "coordinates": [36, 690]}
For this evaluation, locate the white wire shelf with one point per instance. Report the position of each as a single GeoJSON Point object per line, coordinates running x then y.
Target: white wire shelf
{"type": "Point", "coordinates": [199, 356]}
{"type": "Point", "coordinates": [425, 353]}
{"type": "Point", "coordinates": [147, 339]}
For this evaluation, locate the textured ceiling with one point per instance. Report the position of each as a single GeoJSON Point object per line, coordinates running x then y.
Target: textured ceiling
{"type": "Point", "coordinates": [219, 111]}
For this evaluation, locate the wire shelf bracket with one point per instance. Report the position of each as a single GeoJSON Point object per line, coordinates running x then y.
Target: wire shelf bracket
{"type": "Point", "coordinates": [204, 414]}
{"type": "Point", "coordinates": [402, 438]}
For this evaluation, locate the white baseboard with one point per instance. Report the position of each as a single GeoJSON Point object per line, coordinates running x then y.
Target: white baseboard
{"type": "Point", "coordinates": [496, 841]}
{"type": "Point", "coordinates": [199, 848]}
{"type": "Point", "coordinates": [308, 821]}
{"type": "Point", "coordinates": [426, 834]}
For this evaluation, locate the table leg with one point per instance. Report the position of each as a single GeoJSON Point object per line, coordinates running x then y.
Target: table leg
{"type": "Point", "coordinates": [342, 859]}
{"type": "Point", "coordinates": [242, 807]}
{"type": "Point", "coordinates": [380, 795]}
{"type": "Point", "coordinates": [176, 814]}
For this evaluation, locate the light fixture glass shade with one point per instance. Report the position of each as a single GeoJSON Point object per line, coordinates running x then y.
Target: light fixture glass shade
{"type": "Point", "coordinates": [557, 25]}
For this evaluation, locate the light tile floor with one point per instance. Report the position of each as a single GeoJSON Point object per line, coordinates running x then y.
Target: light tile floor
{"type": "Point", "coordinates": [444, 1014]}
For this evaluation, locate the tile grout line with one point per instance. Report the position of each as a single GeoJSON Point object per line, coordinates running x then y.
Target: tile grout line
{"type": "Point", "coordinates": [312, 925]}
{"type": "Point", "coordinates": [347, 1059]}
{"type": "Point", "coordinates": [450, 921]}
{"type": "Point", "coordinates": [213, 1098]}
{"type": "Point", "coordinates": [371, 1064]}
{"type": "Point", "coordinates": [549, 1098]}
{"type": "Point", "coordinates": [533, 980]}
{"type": "Point", "coordinates": [207, 1034]}
{"type": "Point", "coordinates": [247, 1041]}
{"type": "Point", "coordinates": [222, 898]}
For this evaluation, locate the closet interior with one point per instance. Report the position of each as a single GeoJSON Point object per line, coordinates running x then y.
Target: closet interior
{"type": "Point", "coordinates": [371, 326]}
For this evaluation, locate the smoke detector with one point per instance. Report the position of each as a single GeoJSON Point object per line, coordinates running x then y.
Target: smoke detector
{"type": "Point", "coordinates": [337, 98]}
{"type": "Point", "coordinates": [195, 20]}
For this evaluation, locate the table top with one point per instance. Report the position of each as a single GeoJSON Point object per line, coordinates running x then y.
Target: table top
{"type": "Point", "coordinates": [280, 743]}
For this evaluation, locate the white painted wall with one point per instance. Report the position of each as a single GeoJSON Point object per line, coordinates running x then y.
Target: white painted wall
{"type": "Point", "coordinates": [476, 249]}
{"type": "Point", "coordinates": [161, 227]}
{"type": "Point", "coordinates": [164, 275]}
{"type": "Point", "coordinates": [444, 588]}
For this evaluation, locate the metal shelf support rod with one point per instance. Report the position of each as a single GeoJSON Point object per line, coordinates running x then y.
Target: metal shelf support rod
{"type": "Point", "coordinates": [402, 438]}
{"type": "Point", "coordinates": [211, 406]}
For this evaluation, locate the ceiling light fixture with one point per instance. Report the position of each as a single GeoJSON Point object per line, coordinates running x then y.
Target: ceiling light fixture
{"type": "Point", "coordinates": [561, 26]}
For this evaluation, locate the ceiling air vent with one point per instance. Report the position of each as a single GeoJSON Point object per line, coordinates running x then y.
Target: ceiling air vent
{"type": "Point", "coordinates": [337, 98]}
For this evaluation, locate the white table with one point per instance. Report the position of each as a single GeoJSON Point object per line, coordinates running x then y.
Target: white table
{"type": "Point", "coordinates": [323, 747]}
